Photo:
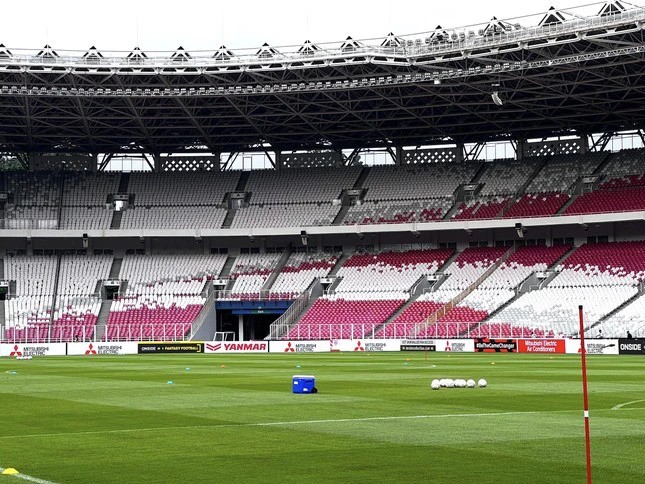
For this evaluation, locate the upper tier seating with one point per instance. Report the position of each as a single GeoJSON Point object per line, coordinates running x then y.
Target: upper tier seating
{"type": "Point", "coordinates": [550, 189]}
{"type": "Point", "coordinates": [418, 182]}
{"type": "Point", "coordinates": [392, 212]}
{"type": "Point", "coordinates": [34, 199]}
{"type": "Point", "coordinates": [85, 197]}
{"type": "Point", "coordinates": [173, 217]}
{"type": "Point", "coordinates": [178, 200]}
{"type": "Point", "coordinates": [282, 215]}
{"type": "Point", "coordinates": [405, 194]}
{"type": "Point", "coordinates": [537, 205]}
{"type": "Point", "coordinates": [38, 188]}
{"type": "Point", "coordinates": [481, 208]}
{"type": "Point", "coordinates": [560, 173]}
{"type": "Point", "coordinates": [300, 185]}
{"type": "Point", "coordinates": [622, 188]}
{"type": "Point", "coordinates": [89, 189]}
{"type": "Point", "coordinates": [182, 188]}
{"type": "Point", "coordinates": [506, 177]}
{"type": "Point", "coordinates": [294, 197]}
{"type": "Point", "coordinates": [624, 169]}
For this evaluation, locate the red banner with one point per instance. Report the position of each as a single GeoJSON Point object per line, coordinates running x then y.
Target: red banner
{"type": "Point", "coordinates": [542, 346]}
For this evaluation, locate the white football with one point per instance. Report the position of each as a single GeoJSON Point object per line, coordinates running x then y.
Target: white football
{"type": "Point", "coordinates": [482, 383]}
{"type": "Point", "coordinates": [435, 385]}
{"type": "Point", "coordinates": [442, 382]}
{"type": "Point", "coordinates": [470, 383]}
{"type": "Point", "coordinates": [450, 383]}
{"type": "Point", "coordinates": [460, 383]}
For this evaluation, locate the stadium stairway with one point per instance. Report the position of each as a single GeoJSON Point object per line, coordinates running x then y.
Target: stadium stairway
{"type": "Point", "coordinates": [599, 169]}
{"type": "Point", "coordinates": [340, 216]}
{"type": "Point", "coordinates": [480, 172]}
{"type": "Point", "coordinates": [358, 184]}
{"type": "Point", "coordinates": [115, 268]}
{"type": "Point", "coordinates": [339, 263]}
{"type": "Point", "coordinates": [446, 308]}
{"type": "Point", "coordinates": [56, 279]}
{"type": "Point", "coordinates": [569, 202]}
{"type": "Point", "coordinates": [101, 322]}
{"type": "Point", "coordinates": [59, 216]}
{"type": "Point", "coordinates": [228, 220]}
{"type": "Point", "coordinates": [124, 182]}
{"type": "Point", "coordinates": [228, 265]}
{"type": "Point", "coordinates": [641, 290]}
{"type": "Point", "coordinates": [115, 224]}
{"type": "Point", "coordinates": [522, 190]}
{"type": "Point", "coordinates": [196, 330]}
{"type": "Point", "coordinates": [361, 178]}
{"type": "Point", "coordinates": [522, 288]}
{"type": "Point", "coordinates": [292, 316]}
{"type": "Point", "coordinates": [419, 288]}
{"type": "Point", "coordinates": [276, 270]}
{"type": "Point", "coordinates": [241, 183]}
{"type": "Point", "coordinates": [3, 321]}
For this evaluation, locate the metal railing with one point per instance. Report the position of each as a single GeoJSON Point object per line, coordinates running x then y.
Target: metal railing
{"type": "Point", "coordinates": [453, 39]}
{"type": "Point", "coordinates": [282, 325]}
{"type": "Point", "coordinates": [446, 330]}
{"type": "Point", "coordinates": [45, 333]}
{"type": "Point", "coordinates": [230, 295]}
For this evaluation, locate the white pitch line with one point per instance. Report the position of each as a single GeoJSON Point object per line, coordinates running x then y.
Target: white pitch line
{"type": "Point", "coordinates": [621, 405]}
{"type": "Point", "coordinates": [272, 424]}
{"type": "Point", "coordinates": [25, 477]}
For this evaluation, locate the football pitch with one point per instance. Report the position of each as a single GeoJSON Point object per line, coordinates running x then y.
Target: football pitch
{"type": "Point", "coordinates": [233, 418]}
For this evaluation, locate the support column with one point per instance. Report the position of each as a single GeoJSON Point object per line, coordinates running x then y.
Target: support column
{"type": "Point", "coordinates": [584, 144]}
{"type": "Point", "coordinates": [278, 160]}
{"type": "Point", "coordinates": [158, 162]}
{"type": "Point", "coordinates": [398, 160]}
{"type": "Point", "coordinates": [240, 327]}
{"type": "Point", "coordinates": [460, 152]}
{"type": "Point", "coordinates": [519, 150]}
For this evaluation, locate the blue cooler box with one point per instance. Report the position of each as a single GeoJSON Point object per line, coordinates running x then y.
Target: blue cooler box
{"type": "Point", "coordinates": [303, 383]}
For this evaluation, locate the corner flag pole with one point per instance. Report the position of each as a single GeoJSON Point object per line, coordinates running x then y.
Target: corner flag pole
{"type": "Point", "coordinates": [583, 356]}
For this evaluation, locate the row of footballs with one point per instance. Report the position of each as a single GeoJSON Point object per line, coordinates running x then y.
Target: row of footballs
{"type": "Point", "coordinates": [450, 383]}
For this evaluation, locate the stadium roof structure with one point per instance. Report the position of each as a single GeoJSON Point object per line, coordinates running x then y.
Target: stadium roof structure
{"type": "Point", "coordinates": [569, 72]}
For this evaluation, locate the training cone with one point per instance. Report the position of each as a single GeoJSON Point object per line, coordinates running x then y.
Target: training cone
{"type": "Point", "coordinates": [222, 366]}
{"type": "Point", "coordinates": [10, 471]}
{"type": "Point", "coordinates": [170, 382]}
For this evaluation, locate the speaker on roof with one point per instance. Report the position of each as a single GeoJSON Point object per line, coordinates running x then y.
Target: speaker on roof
{"type": "Point", "coordinates": [86, 241]}
{"type": "Point", "coordinates": [303, 237]}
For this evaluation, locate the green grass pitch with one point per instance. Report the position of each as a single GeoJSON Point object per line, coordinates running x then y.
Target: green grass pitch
{"type": "Point", "coordinates": [233, 418]}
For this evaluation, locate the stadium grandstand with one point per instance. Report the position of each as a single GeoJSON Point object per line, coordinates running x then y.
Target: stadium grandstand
{"type": "Point", "coordinates": [466, 182]}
